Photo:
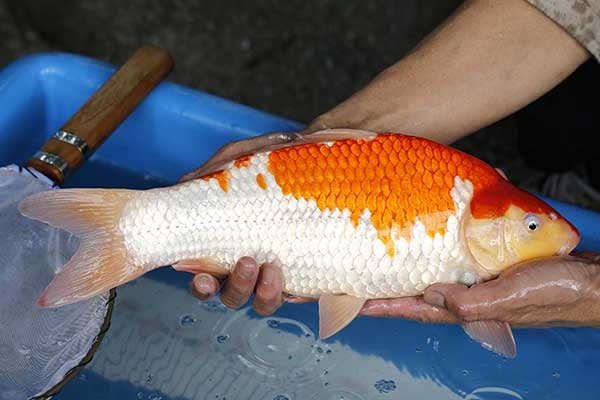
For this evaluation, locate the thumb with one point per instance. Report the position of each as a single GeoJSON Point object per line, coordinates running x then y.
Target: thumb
{"type": "Point", "coordinates": [459, 300]}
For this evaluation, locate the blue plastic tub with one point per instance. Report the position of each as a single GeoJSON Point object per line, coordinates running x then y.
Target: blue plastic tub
{"type": "Point", "coordinates": [163, 344]}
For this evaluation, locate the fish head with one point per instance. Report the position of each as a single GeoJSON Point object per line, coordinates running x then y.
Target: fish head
{"type": "Point", "coordinates": [515, 226]}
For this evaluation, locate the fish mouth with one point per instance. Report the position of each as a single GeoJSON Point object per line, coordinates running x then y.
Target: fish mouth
{"type": "Point", "coordinates": [570, 244]}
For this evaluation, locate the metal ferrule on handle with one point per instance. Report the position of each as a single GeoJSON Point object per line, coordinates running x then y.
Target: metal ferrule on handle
{"type": "Point", "coordinates": [68, 148]}
{"type": "Point", "coordinates": [73, 139]}
{"type": "Point", "coordinates": [53, 160]}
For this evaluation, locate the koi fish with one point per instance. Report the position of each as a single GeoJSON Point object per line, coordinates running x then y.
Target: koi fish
{"type": "Point", "coordinates": [348, 215]}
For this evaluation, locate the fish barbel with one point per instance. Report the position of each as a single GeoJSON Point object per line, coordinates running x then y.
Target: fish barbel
{"type": "Point", "coordinates": [349, 216]}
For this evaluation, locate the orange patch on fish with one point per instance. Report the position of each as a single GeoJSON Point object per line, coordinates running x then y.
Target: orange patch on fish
{"type": "Point", "coordinates": [222, 177]}
{"type": "Point", "coordinates": [261, 181]}
{"type": "Point", "coordinates": [495, 200]}
{"type": "Point", "coordinates": [242, 162]}
{"type": "Point", "coordinates": [397, 178]}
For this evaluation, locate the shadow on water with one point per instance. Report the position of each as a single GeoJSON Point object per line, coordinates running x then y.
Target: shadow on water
{"type": "Point", "coordinates": [164, 344]}
{"type": "Point", "coordinates": [98, 387]}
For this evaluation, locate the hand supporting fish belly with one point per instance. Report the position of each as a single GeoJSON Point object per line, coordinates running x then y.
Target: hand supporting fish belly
{"type": "Point", "coordinates": [348, 215]}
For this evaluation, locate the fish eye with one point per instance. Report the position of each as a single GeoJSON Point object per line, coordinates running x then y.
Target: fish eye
{"type": "Point", "coordinates": [532, 222]}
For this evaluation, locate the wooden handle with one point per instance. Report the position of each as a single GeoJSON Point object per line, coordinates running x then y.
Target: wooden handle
{"type": "Point", "coordinates": [103, 113]}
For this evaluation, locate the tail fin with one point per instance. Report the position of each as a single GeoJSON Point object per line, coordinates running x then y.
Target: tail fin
{"type": "Point", "coordinates": [101, 262]}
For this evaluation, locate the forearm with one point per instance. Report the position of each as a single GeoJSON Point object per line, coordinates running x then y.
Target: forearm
{"type": "Point", "coordinates": [489, 59]}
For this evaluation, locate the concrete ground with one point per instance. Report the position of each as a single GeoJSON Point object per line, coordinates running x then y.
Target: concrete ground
{"type": "Point", "coordinates": [294, 58]}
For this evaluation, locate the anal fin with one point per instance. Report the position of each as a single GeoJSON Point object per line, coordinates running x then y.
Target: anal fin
{"type": "Point", "coordinates": [493, 335]}
{"type": "Point", "coordinates": [336, 312]}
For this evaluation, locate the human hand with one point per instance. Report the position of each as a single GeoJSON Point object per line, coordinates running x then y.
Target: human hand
{"type": "Point", "coordinates": [246, 278]}
{"type": "Point", "coordinates": [556, 291]}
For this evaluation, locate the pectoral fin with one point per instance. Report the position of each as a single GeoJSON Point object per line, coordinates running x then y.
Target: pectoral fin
{"type": "Point", "coordinates": [495, 336]}
{"type": "Point", "coordinates": [337, 311]}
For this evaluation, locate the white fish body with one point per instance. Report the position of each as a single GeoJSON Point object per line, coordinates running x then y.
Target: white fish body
{"type": "Point", "coordinates": [320, 252]}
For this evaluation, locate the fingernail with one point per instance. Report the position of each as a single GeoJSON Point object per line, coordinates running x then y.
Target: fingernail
{"type": "Point", "coordinates": [268, 276]}
{"type": "Point", "coordinates": [245, 269]}
{"type": "Point", "coordinates": [435, 298]}
{"type": "Point", "coordinates": [204, 284]}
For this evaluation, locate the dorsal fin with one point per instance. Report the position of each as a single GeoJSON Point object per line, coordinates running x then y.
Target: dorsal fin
{"type": "Point", "coordinates": [267, 142]}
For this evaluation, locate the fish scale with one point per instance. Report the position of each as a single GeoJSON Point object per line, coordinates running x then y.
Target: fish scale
{"type": "Point", "coordinates": [319, 220]}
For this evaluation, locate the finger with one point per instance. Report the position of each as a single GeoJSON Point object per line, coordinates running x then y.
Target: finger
{"type": "Point", "coordinates": [268, 290]}
{"type": "Point", "coordinates": [408, 308]}
{"type": "Point", "coordinates": [288, 298]}
{"type": "Point", "coordinates": [240, 284]}
{"type": "Point", "coordinates": [493, 299]}
{"type": "Point", "coordinates": [204, 286]}
{"type": "Point", "coordinates": [466, 304]}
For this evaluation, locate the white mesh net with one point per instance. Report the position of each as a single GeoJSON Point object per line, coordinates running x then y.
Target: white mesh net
{"type": "Point", "coordinates": [37, 346]}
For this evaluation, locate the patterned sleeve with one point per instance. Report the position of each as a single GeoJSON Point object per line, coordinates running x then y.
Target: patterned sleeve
{"type": "Point", "coordinates": [581, 18]}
